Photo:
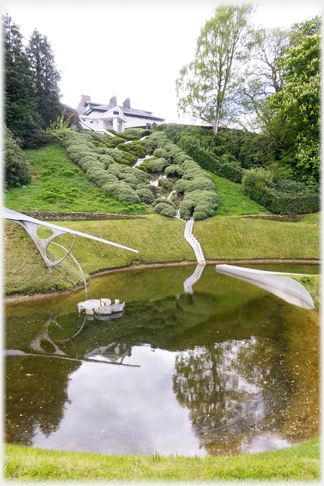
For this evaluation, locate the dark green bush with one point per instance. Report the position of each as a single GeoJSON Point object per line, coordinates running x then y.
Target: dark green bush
{"type": "Point", "coordinates": [134, 148]}
{"type": "Point", "coordinates": [199, 204]}
{"type": "Point", "coordinates": [166, 184]}
{"type": "Point", "coordinates": [145, 195]}
{"type": "Point", "coordinates": [163, 200]}
{"type": "Point", "coordinates": [260, 188]}
{"type": "Point", "coordinates": [137, 133]}
{"type": "Point", "coordinates": [174, 170]}
{"type": "Point", "coordinates": [123, 191]}
{"type": "Point", "coordinates": [159, 152]}
{"type": "Point", "coordinates": [114, 141]}
{"type": "Point", "coordinates": [157, 165]}
{"type": "Point", "coordinates": [183, 186]}
{"type": "Point", "coordinates": [165, 210]}
{"type": "Point", "coordinates": [106, 160]}
{"type": "Point", "coordinates": [17, 169]}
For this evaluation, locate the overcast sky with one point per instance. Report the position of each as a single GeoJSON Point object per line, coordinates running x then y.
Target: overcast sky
{"type": "Point", "coordinates": [132, 48]}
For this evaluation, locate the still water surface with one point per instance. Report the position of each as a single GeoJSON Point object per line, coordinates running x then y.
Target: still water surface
{"type": "Point", "coordinates": [227, 369]}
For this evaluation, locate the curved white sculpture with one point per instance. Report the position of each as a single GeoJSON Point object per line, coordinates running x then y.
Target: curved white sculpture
{"type": "Point", "coordinates": [284, 287]}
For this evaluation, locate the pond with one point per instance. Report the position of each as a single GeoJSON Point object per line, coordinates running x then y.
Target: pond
{"type": "Point", "coordinates": [228, 368]}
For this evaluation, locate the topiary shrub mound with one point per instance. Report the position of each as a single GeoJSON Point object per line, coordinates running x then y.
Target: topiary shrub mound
{"type": "Point", "coordinates": [145, 195]}
{"type": "Point", "coordinates": [199, 204]}
{"type": "Point", "coordinates": [165, 209]}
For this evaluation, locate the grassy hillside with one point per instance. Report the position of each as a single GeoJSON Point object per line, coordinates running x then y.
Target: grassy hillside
{"type": "Point", "coordinates": [233, 201]}
{"type": "Point", "coordinates": [60, 185]}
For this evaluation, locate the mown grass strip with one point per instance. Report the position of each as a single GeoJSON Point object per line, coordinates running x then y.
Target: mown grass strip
{"type": "Point", "coordinates": [234, 238]}
{"type": "Point", "coordinates": [297, 463]}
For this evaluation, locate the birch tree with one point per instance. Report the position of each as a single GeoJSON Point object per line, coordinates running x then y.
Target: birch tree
{"type": "Point", "coordinates": [206, 87]}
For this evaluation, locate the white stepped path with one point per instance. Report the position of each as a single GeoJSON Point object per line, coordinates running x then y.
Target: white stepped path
{"type": "Point", "coordinates": [187, 284]}
{"type": "Point", "coordinates": [139, 161]}
{"type": "Point", "coordinates": [193, 242]}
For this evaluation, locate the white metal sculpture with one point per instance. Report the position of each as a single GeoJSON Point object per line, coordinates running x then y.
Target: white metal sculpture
{"type": "Point", "coordinates": [31, 226]}
{"type": "Point", "coordinates": [284, 287]}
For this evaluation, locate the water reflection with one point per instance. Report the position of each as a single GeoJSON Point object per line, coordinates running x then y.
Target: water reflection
{"type": "Point", "coordinates": [229, 368]}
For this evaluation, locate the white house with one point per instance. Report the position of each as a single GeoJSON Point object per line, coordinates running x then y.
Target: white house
{"type": "Point", "coordinates": [99, 117]}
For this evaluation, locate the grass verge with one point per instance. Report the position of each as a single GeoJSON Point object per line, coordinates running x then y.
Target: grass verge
{"type": "Point", "coordinates": [297, 463]}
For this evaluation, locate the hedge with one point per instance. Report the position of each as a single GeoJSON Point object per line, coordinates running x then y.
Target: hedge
{"type": "Point", "coordinates": [258, 186]}
{"type": "Point", "coordinates": [145, 195]}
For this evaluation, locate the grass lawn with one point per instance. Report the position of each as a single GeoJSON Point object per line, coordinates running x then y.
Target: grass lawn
{"type": "Point", "coordinates": [60, 185]}
{"type": "Point", "coordinates": [233, 201]}
{"type": "Point", "coordinates": [297, 463]}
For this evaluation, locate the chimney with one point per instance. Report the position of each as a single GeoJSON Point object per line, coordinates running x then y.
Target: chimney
{"type": "Point", "coordinates": [126, 103]}
{"type": "Point", "coordinates": [84, 98]}
{"type": "Point", "coordinates": [113, 101]}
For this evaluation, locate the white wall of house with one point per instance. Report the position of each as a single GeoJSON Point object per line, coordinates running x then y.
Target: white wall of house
{"type": "Point", "coordinates": [94, 122]}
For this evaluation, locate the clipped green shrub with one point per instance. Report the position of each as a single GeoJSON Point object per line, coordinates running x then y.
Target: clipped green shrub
{"type": "Point", "coordinates": [199, 204]}
{"type": "Point", "coordinates": [165, 210]}
{"type": "Point", "coordinates": [166, 184]}
{"type": "Point", "coordinates": [115, 154]}
{"type": "Point", "coordinates": [123, 191]}
{"type": "Point", "coordinates": [163, 200]}
{"type": "Point", "coordinates": [159, 152]}
{"type": "Point", "coordinates": [152, 142]}
{"type": "Point", "coordinates": [157, 165]}
{"type": "Point", "coordinates": [134, 148]}
{"type": "Point", "coordinates": [183, 186]}
{"type": "Point", "coordinates": [106, 160]}
{"type": "Point", "coordinates": [145, 195]}
{"type": "Point", "coordinates": [114, 141]}
{"type": "Point", "coordinates": [174, 170]}
{"type": "Point", "coordinates": [137, 132]}
{"type": "Point", "coordinates": [129, 178]}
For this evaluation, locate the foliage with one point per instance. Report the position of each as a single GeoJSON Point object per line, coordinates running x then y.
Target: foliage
{"type": "Point", "coordinates": [201, 204]}
{"type": "Point", "coordinates": [157, 165]}
{"type": "Point", "coordinates": [291, 198]}
{"type": "Point", "coordinates": [295, 109]}
{"type": "Point", "coordinates": [145, 195]}
{"type": "Point", "coordinates": [17, 168]}
{"type": "Point", "coordinates": [59, 128]}
{"type": "Point", "coordinates": [137, 133]}
{"type": "Point", "coordinates": [165, 209]}
{"type": "Point", "coordinates": [166, 184]}
{"type": "Point", "coordinates": [45, 77]}
{"type": "Point", "coordinates": [20, 115]}
{"type": "Point", "coordinates": [174, 170]}
{"type": "Point", "coordinates": [134, 148]}
{"type": "Point", "coordinates": [206, 87]}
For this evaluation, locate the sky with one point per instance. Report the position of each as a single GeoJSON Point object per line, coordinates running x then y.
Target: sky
{"type": "Point", "coordinates": [132, 48]}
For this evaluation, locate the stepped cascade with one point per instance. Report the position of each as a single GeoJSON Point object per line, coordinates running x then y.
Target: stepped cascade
{"type": "Point", "coordinates": [193, 242]}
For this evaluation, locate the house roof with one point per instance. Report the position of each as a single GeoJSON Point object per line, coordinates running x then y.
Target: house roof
{"type": "Point", "coordinates": [128, 112]}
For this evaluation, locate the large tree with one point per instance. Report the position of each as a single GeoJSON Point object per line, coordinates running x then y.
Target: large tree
{"type": "Point", "coordinates": [20, 108]}
{"type": "Point", "coordinates": [45, 77]}
{"type": "Point", "coordinates": [295, 109]}
{"type": "Point", "coordinates": [261, 76]}
{"type": "Point", "coordinates": [207, 86]}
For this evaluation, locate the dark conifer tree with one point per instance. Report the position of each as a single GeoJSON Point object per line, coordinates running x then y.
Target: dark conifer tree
{"type": "Point", "coordinates": [20, 107]}
{"type": "Point", "coordinates": [45, 78]}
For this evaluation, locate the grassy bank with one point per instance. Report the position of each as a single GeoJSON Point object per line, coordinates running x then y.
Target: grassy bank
{"type": "Point", "coordinates": [298, 463]}
{"type": "Point", "coordinates": [60, 185]}
{"type": "Point", "coordinates": [242, 238]}
{"type": "Point", "coordinates": [158, 240]}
